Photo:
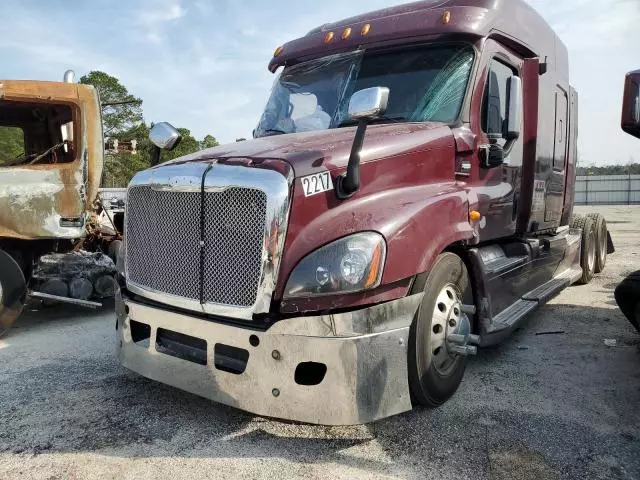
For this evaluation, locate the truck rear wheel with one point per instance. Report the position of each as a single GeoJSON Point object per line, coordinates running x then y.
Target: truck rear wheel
{"type": "Point", "coordinates": [588, 244]}
{"type": "Point", "coordinates": [600, 225]}
{"type": "Point", "coordinates": [434, 371]}
{"type": "Point", "coordinates": [13, 291]}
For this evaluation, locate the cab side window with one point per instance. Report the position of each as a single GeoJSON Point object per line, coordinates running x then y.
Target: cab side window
{"type": "Point", "coordinates": [494, 106]}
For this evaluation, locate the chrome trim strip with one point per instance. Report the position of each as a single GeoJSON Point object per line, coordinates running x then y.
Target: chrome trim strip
{"type": "Point", "coordinates": [188, 178]}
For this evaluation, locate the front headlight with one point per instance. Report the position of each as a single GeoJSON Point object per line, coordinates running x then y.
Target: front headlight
{"type": "Point", "coordinates": [351, 264]}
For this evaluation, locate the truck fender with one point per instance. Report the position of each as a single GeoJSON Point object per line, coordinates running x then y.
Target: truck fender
{"type": "Point", "coordinates": [418, 223]}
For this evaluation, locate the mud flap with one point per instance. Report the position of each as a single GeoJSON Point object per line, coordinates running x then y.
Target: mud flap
{"type": "Point", "coordinates": [13, 291]}
{"type": "Point", "coordinates": [610, 248]}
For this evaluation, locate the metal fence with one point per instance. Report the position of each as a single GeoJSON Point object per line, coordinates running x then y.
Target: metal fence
{"type": "Point", "coordinates": [608, 190]}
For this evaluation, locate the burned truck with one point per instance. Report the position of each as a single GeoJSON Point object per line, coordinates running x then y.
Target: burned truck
{"type": "Point", "coordinates": [49, 179]}
{"type": "Point", "coordinates": [407, 198]}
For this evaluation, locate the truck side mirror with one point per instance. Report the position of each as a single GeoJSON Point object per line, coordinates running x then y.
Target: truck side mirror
{"type": "Point", "coordinates": [365, 105]}
{"type": "Point", "coordinates": [369, 103]}
{"type": "Point", "coordinates": [514, 112]}
{"type": "Point", "coordinates": [165, 136]}
{"type": "Point", "coordinates": [631, 104]}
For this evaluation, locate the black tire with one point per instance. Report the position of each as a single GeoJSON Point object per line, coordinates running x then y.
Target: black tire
{"type": "Point", "coordinates": [588, 246]}
{"type": "Point", "coordinates": [628, 298]}
{"type": "Point", "coordinates": [429, 387]}
{"type": "Point", "coordinates": [600, 225]}
{"type": "Point", "coordinates": [13, 291]}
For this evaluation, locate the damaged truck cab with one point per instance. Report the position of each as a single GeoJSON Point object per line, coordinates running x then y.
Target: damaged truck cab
{"type": "Point", "coordinates": [49, 177]}
{"type": "Point", "coordinates": [407, 198]}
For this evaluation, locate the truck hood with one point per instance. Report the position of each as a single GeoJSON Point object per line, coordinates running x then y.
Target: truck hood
{"type": "Point", "coordinates": [310, 152]}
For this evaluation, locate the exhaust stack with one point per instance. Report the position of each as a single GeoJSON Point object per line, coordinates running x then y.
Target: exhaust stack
{"type": "Point", "coordinates": [69, 76]}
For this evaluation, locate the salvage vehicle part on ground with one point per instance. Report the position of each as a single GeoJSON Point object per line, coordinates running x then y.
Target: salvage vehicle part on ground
{"type": "Point", "coordinates": [628, 292]}
{"type": "Point", "coordinates": [48, 185]}
{"type": "Point", "coordinates": [406, 199]}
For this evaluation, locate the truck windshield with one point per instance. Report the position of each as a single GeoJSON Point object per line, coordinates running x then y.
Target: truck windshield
{"type": "Point", "coordinates": [425, 84]}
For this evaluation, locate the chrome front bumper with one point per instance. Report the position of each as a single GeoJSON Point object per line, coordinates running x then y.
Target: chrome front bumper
{"type": "Point", "coordinates": [365, 354]}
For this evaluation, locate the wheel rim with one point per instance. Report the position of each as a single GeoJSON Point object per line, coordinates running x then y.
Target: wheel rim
{"type": "Point", "coordinates": [591, 253]}
{"type": "Point", "coordinates": [444, 321]}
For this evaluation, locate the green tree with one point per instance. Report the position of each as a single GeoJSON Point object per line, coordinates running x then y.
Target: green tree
{"type": "Point", "coordinates": [209, 141]}
{"type": "Point", "coordinates": [11, 144]}
{"type": "Point", "coordinates": [630, 168]}
{"type": "Point", "coordinates": [120, 110]}
{"type": "Point", "coordinates": [188, 144]}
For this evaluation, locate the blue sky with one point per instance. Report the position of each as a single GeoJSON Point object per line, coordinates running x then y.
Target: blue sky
{"type": "Point", "coordinates": [203, 64]}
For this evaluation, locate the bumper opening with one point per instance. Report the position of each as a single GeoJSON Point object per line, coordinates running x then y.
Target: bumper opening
{"type": "Point", "coordinates": [230, 359]}
{"type": "Point", "coordinates": [181, 346]}
{"type": "Point", "coordinates": [140, 333]}
{"type": "Point", "coordinates": [310, 373]}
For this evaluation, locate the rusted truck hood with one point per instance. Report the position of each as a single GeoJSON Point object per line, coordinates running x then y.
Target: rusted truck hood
{"type": "Point", "coordinates": [329, 149]}
{"type": "Point", "coordinates": [35, 198]}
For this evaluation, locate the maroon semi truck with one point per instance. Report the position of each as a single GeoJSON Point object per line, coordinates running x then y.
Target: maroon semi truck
{"type": "Point", "coordinates": [407, 197]}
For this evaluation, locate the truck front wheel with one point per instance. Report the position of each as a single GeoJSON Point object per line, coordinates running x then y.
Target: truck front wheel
{"type": "Point", "coordinates": [434, 371]}
{"type": "Point", "coordinates": [13, 291]}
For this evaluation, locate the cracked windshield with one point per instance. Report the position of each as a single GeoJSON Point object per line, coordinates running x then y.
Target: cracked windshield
{"type": "Point", "coordinates": [425, 83]}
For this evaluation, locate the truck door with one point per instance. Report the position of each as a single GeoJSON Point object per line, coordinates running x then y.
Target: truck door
{"type": "Point", "coordinates": [554, 196]}
{"type": "Point", "coordinates": [498, 188]}
{"type": "Point", "coordinates": [50, 171]}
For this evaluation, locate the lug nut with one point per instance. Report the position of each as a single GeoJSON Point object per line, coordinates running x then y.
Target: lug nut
{"type": "Point", "coordinates": [275, 392]}
{"type": "Point", "coordinates": [276, 355]}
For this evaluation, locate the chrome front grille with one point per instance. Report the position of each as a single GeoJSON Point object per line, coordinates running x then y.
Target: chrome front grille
{"type": "Point", "coordinates": [163, 243]}
{"type": "Point", "coordinates": [224, 262]}
{"type": "Point", "coordinates": [163, 240]}
{"type": "Point", "coordinates": [233, 239]}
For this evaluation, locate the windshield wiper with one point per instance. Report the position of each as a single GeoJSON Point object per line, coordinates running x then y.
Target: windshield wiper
{"type": "Point", "coordinates": [272, 131]}
{"type": "Point", "coordinates": [349, 123]}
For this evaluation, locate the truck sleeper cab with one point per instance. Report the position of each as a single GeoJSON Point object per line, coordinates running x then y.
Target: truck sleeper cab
{"type": "Point", "coordinates": [407, 198]}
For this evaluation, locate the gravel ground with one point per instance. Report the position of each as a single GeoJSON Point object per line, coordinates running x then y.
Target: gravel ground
{"type": "Point", "coordinates": [539, 406]}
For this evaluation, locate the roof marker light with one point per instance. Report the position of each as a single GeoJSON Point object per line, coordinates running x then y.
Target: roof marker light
{"type": "Point", "coordinates": [366, 28]}
{"type": "Point", "coordinates": [278, 51]}
{"type": "Point", "coordinates": [328, 37]}
{"type": "Point", "coordinates": [446, 17]}
{"type": "Point", "coordinates": [346, 33]}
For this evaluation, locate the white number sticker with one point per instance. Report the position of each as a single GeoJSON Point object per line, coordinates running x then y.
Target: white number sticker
{"type": "Point", "coordinates": [316, 183]}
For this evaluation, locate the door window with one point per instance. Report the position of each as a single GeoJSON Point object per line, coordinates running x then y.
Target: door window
{"type": "Point", "coordinates": [34, 133]}
{"type": "Point", "coordinates": [494, 107]}
{"type": "Point", "coordinates": [495, 110]}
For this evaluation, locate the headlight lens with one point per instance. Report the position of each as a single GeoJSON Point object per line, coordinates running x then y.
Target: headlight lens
{"type": "Point", "coordinates": [351, 264]}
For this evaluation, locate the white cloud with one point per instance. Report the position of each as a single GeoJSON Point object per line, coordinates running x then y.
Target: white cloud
{"type": "Point", "coordinates": [163, 12]}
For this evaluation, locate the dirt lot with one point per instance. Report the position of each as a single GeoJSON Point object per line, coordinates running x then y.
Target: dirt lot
{"type": "Point", "coordinates": [540, 406]}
